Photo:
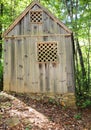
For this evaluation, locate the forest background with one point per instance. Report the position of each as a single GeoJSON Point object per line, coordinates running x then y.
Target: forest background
{"type": "Point", "coordinates": [76, 14]}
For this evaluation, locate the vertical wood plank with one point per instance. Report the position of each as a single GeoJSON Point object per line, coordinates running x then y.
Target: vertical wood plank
{"type": "Point", "coordinates": [59, 68]}
{"type": "Point", "coordinates": [27, 23]}
{"type": "Point", "coordinates": [12, 63]}
{"type": "Point", "coordinates": [28, 27]}
{"type": "Point", "coordinates": [22, 26]}
{"type": "Point", "coordinates": [47, 77]}
{"type": "Point", "coordinates": [9, 63]}
{"type": "Point", "coordinates": [15, 69]}
{"type": "Point", "coordinates": [46, 23]}
{"type": "Point", "coordinates": [64, 65]}
{"type": "Point", "coordinates": [41, 86]}
{"type": "Point", "coordinates": [52, 81]}
{"type": "Point", "coordinates": [34, 30]}
{"type": "Point", "coordinates": [34, 66]}
{"type": "Point", "coordinates": [30, 85]}
{"type": "Point", "coordinates": [26, 56]}
{"type": "Point", "coordinates": [6, 64]}
{"type": "Point", "coordinates": [20, 66]}
{"type": "Point", "coordinates": [70, 65]}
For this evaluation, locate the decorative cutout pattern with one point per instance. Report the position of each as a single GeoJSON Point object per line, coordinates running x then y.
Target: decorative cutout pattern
{"type": "Point", "coordinates": [47, 52]}
{"type": "Point", "coordinates": [36, 16]}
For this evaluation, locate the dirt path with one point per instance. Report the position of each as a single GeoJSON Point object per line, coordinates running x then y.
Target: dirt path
{"type": "Point", "coordinates": [23, 113]}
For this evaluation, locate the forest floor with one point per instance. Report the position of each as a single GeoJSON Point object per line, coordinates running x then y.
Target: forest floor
{"type": "Point", "coordinates": [19, 112]}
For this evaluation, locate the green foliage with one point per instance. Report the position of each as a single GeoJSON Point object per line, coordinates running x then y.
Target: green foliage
{"type": "Point", "coordinates": [26, 128]}
{"type": "Point", "coordinates": [83, 100]}
{"type": "Point", "coordinates": [77, 16]}
{"type": "Point", "coordinates": [78, 116]}
{"type": "Point", "coordinates": [52, 101]}
{"type": "Point", "coordinates": [86, 103]}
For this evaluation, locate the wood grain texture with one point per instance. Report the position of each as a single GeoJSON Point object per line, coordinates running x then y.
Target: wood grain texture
{"type": "Point", "coordinates": [5, 75]}
{"type": "Point", "coordinates": [23, 72]}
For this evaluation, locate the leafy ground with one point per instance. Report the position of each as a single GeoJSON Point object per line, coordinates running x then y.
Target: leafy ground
{"type": "Point", "coordinates": [19, 112]}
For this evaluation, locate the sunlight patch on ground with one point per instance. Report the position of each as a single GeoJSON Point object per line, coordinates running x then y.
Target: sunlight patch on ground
{"type": "Point", "coordinates": [20, 110]}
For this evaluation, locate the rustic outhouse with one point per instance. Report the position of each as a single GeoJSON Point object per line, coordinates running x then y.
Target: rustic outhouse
{"type": "Point", "coordinates": [38, 54]}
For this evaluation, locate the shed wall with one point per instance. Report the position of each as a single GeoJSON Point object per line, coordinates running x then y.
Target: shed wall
{"type": "Point", "coordinates": [22, 72]}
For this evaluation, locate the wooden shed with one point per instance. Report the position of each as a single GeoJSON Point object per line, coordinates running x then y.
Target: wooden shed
{"type": "Point", "coordinates": [38, 53]}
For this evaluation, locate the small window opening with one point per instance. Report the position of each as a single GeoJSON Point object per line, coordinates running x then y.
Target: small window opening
{"type": "Point", "coordinates": [36, 16]}
{"type": "Point", "coordinates": [47, 51]}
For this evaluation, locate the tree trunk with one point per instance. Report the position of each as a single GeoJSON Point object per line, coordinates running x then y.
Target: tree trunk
{"type": "Point", "coordinates": [1, 14]}
{"type": "Point", "coordinates": [1, 69]}
{"type": "Point", "coordinates": [72, 6]}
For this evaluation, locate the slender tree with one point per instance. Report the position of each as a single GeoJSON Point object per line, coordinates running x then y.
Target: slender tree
{"type": "Point", "coordinates": [1, 14]}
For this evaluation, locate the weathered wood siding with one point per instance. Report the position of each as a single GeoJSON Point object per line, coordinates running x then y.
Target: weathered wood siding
{"type": "Point", "coordinates": [23, 72]}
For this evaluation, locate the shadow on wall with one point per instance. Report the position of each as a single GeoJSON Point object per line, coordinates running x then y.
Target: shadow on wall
{"type": "Point", "coordinates": [1, 75]}
{"type": "Point", "coordinates": [1, 82]}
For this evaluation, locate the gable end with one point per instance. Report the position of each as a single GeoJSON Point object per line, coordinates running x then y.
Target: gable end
{"type": "Point", "coordinates": [28, 8]}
